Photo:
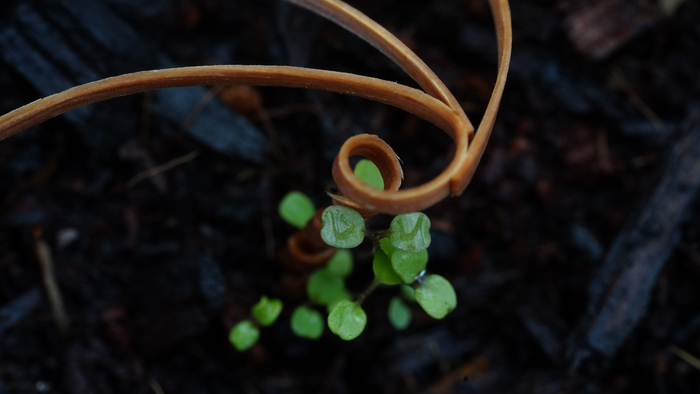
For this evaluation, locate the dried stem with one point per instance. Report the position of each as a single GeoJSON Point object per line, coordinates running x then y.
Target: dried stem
{"type": "Point", "coordinates": [58, 309]}
{"type": "Point", "coordinates": [162, 168]}
{"type": "Point", "coordinates": [438, 106]}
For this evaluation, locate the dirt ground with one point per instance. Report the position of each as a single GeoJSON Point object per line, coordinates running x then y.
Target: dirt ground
{"type": "Point", "coordinates": [591, 162]}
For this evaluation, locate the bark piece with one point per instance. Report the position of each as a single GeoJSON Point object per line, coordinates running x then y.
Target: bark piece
{"type": "Point", "coordinates": [620, 292]}
{"type": "Point", "coordinates": [58, 45]}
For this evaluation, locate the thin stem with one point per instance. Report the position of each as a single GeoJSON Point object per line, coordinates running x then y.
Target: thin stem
{"type": "Point", "coordinates": [361, 298]}
{"type": "Point", "coordinates": [376, 235]}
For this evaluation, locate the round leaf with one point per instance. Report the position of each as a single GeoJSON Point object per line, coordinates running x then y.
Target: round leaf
{"type": "Point", "coordinates": [399, 314]}
{"type": "Point", "coordinates": [342, 227]}
{"type": "Point", "coordinates": [410, 232]}
{"type": "Point", "coordinates": [383, 271]}
{"type": "Point", "coordinates": [409, 265]}
{"type": "Point", "coordinates": [436, 296]}
{"type": "Point", "coordinates": [296, 209]}
{"type": "Point", "coordinates": [347, 320]}
{"type": "Point", "coordinates": [341, 263]}
{"type": "Point", "coordinates": [369, 174]}
{"type": "Point", "coordinates": [325, 287]}
{"type": "Point", "coordinates": [267, 310]}
{"type": "Point", "coordinates": [244, 335]}
{"type": "Point", "coordinates": [307, 322]}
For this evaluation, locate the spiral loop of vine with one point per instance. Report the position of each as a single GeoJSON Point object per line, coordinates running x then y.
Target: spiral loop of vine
{"type": "Point", "coordinates": [435, 104]}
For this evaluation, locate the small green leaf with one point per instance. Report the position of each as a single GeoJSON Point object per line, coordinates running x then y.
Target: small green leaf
{"type": "Point", "coordinates": [267, 310]}
{"type": "Point", "coordinates": [410, 232]}
{"type": "Point", "coordinates": [383, 271]}
{"type": "Point", "coordinates": [244, 335]}
{"type": "Point", "coordinates": [436, 296]}
{"type": "Point", "coordinates": [296, 209]}
{"type": "Point", "coordinates": [409, 265]}
{"type": "Point", "coordinates": [408, 293]}
{"type": "Point", "coordinates": [369, 174]}
{"type": "Point", "coordinates": [343, 227]}
{"type": "Point", "coordinates": [385, 244]}
{"type": "Point", "coordinates": [347, 320]}
{"type": "Point", "coordinates": [341, 263]}
{"type": "Point", "coordinates": [307, 322]}
{"type": "Point", "coordinates": [399, 314]}
{"type": "Point", "coordinates": [325, 287]}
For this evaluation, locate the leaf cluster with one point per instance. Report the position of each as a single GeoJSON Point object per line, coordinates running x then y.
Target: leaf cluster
{"type": "Point", "coordinates": [247, 332]}
{"type": "Point", "coordinates": [400, 258]}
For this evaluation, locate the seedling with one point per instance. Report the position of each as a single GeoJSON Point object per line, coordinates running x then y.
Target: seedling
{"type": "Point", "coordinates": [246, 333]}
{"type": "Point", "coordinates": [400, 258]}
{"type": "Point", "coordinates": [361, 194]}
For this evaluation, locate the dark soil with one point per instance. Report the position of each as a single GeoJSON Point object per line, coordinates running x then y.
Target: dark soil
{"type": "Point", "coordinates": [154, 275]}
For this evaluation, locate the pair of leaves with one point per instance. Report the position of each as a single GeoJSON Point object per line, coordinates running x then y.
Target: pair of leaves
{"type": "Point", "coordinates": [344, 227]}
{"type": "Point", "coordinates": [393, 267]}
{"type": "Point", "coordinates": [245, 334]}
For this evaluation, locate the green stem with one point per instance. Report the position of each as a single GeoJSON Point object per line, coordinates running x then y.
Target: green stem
{"type": "Point", "coordinates": [367, 291]}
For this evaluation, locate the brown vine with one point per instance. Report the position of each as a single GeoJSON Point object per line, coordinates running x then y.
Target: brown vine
{"type": "Point", "coordinates": [436, 104]}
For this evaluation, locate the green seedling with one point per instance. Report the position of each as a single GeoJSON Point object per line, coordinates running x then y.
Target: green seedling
{"type": "Point", "coordinates": [246, 333]}
{"type": "Point", "coordinates": [296, 209]}
{"type": "Point", "coordinates": [342, 227]}
{"type": "Point", "coordinates": [400, 258]}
